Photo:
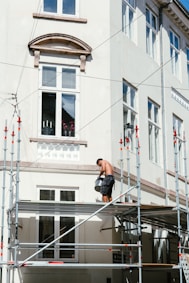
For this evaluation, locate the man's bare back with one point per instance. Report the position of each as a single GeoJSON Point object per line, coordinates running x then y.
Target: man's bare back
{"type": "Point", "coordinates": [106, 168]}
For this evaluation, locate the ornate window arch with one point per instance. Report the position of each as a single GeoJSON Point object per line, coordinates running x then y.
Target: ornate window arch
{"type": "Point", "coordinates": [57, 43]}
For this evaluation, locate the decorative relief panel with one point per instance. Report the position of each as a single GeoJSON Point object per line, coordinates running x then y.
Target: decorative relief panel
{"type": "Point", "coordinates": [56, 151]}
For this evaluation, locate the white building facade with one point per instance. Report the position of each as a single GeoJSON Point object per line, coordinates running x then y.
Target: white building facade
{"type": "Point", "coordinates": [81, 82]}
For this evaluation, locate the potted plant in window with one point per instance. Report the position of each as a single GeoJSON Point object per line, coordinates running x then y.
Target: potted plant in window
{"type": "Point", "coordinates": [65, 128]}
{"type": "Point", "coordinates": [71, 128]}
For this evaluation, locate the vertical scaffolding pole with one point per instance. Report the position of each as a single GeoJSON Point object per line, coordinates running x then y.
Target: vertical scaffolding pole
{"type": "Point", "coordinates": [138, 204]}
{"type": "Point", "coordinates": [127, 141]}
{"type": "Point", "coordinates": [10, 204]}
{"type": "Point", "coordinates": [177, 198]}
{"type": "Point", "coordinates": [186, 185]}
{"type": "Point", "coordinates": [3, 193]}
{"type": "Point", "coordinates": [128, 165]}
{"type": "Point", "coordinates": [17, 189]}
{"type": "Point", "coordinates": [121, 168]}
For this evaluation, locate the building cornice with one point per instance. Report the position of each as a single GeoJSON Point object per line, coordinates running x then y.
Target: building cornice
{"type": "Point", "coordinates": [177, 13]}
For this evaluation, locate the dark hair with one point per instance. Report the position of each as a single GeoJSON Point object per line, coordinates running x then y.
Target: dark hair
{"type": "Point", "coordinates": [98, 160]}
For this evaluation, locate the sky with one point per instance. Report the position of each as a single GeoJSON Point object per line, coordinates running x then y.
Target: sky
{"type": "Point", "coordinates": [185, 3]}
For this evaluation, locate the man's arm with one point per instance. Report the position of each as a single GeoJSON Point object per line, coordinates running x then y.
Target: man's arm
{"type": "Point", "coordinates": [102, 170]}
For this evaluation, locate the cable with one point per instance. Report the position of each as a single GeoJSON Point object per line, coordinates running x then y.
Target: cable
{"type": "Point", "coordinates": [137, 84]}
{"type": "Point", "coordinates": [26, 53]}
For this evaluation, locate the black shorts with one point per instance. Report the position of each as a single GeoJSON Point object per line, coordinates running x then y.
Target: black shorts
{"type": "Point", "coordinates": [107, 184]}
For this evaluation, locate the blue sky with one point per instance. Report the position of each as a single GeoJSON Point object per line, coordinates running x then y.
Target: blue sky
{"type": "Point", "coordinates": [185, 3]}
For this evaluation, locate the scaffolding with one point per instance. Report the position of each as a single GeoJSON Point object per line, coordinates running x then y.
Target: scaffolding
{"type": "Point", "coordinates": [171, 218]}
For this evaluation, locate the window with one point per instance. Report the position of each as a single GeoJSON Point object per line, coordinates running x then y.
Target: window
{"type": "Point", "coordinates": [151, 33]}
{"type": "Point", "coordinates": [174, 52]}
{"type": "Point", "coordinates": [51, 227]}
{"type": "Point", "coordinates": [128, 10]}
{"type": "Point", "coordinates": [59, 87]}
{"type": "Point", "coordinates": [178, 131]}
{"type": "Point", "coordinates": [64, 7]}
{"type": "Point", "coordinates": [187, 56]}
{"type": "Point", "coordinates": [153, 131]}
{"type": "Point", "coordinates": [129, 112]}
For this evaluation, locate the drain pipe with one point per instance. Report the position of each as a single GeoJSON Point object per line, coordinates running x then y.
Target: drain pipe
{"type": "Point", "coordinates": [163, 99]}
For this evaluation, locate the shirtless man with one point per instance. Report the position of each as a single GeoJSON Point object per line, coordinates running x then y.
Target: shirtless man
{"type": "Point", "coordinates": [108, 182]}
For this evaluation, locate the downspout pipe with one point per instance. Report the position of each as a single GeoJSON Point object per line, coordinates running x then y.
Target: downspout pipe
{"type": "Point", "coordinates": [163, 99]}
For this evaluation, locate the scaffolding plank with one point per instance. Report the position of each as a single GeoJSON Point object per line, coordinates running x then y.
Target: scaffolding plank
{"type": "Point", "coordinates": [161, 216]}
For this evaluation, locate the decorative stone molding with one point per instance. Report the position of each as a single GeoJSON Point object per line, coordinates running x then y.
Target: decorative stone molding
{"type": "Point", "coordinates": [59, 18]}
{"type": "Point", "coordinates": [36, 58]}
{"type": "Point", "coordinates": [61, 44]}
{"type": "Point", "coordinates": [60, 141]}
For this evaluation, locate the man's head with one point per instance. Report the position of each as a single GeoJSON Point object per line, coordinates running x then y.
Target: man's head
{"type": "Point", "coordinates": [99, 161]}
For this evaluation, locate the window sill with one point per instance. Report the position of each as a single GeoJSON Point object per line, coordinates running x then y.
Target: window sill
{"type": "Point", "coordinates": [59, 18]}
{"type": "Point", "coordinates": [60, 141]}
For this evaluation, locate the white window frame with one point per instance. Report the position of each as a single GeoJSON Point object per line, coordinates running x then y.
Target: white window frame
{"type": "Point", "coordinates": [128, 16]}
{"type": "Point", "coordinates": [57, 221]}
{"type": "Point", "coordinates": [175, 53]}
{"type": "Point", "coordinates": [153, 132]}
{"type": "Point", "coordinates": [59, 90]}
{"type": "Point", "coordinates": [151, 34]}
{"type": "Point", "coordinates": [59, 9]}
{"type": "Point", "coordinates": [187, 60]}
{"type": "Point", "coordinates": [178, 128]}
{"type": "Point", "coordinates": [129, 113]}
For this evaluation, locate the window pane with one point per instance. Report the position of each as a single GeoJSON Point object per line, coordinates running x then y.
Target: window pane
{"type": "Point", "coordinates": [132, 102]}
{"type": "Point", "coordinates": [176, 42]}
{"type": "Point", "coordinates": [148, 40]}
{"type": "Point", "coordinates": [149, 110]}
{"type": "Point", "coordinates": [125, 89]}
{"type": "Point", "coordinates": [171, 37]}
{"type": "Point", "coordinates": [48, 121]}
{"type": "Point", "coordinates": [187, 54]}
{"type": "Point", "coordinates": [68, 78]}
{"type": "Point", "coordinates": [123, 14]}
{"type": "Point", "coordinates": [46, 235]}
{"type": "Point", "coordinates": [49, 76]}
{"type": "Point", "coordinates": [150, 141]}
{"type": "Point", "coordinates": [67, 196]}
{"type": "Point", "coordinates": [147, 16]}
{"type": "Point", "coordinates": [69, 7]}
{"type": "Point", "coordinates": [156, 144]}
{"type": "Point", "coordinates": [154, 22]}
{"type": "Point", "coordinates": [50, 6]}
{"type": "Point", "coordinates": [67, 223]}
{"type": "Point", "coordinates": [132, 3]}
{"type": "Point", "coordinates": [47, 195]}
{"type": "Point", "coordinates": [68, 115]}
{"type": "Point", "coordinates": [155, 114]}
{"type": "Point", "coordinates": [125, 116]}
{"type": "Point", "coordinates": [130, 27]}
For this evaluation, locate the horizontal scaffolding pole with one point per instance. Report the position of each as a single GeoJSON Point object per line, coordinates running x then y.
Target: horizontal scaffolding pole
{"type": "Point", "coordinates": [79, 244]}
{"type": "Point", "coordinates": [78, 265]}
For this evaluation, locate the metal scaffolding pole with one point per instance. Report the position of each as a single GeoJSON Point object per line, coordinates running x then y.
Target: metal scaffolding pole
{"type": "Point", "coordinates": [17, 188]}
{"type": "Point", "coordinates": [127, 142]}
{"type": "Point", "coordinates": [138, 203]}
{"type": "Point", "coordinates": [10, 204]}
{"type": "Point", "coordinates": [175, 141]}
{"type": "Point", "coordinates": [186, 185]}
{"type": "Point", "coordinates": [3, 193]}
{"type": "Point", "coordinates": [121, 167]}
{"type": "Point", "coordinates": [128, 166]}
